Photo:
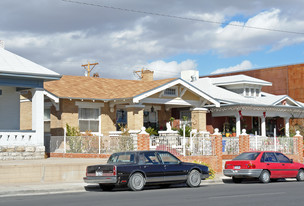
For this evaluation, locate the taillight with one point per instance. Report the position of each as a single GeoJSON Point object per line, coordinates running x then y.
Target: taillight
{"type": "Point", "coordinates": [251, 166]}
{"type": "Point", "coordinates": [114, 170]}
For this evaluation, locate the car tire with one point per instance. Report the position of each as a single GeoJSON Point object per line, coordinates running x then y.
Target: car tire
{"type": "Point", "coordinates": [300, 176]}
{"type": "Point", "coordinates": [265, 176]}
{"type": "Point", "coordinates": [136, 182]}
{"type": "Point", "coordinates": [236, 180]}
{"type": "Point", "coordinates": [106, 187]}
{"type": "Point", "coordinates": [194, 179]}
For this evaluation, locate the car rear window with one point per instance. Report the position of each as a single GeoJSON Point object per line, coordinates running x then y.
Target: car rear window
{"type": "Point", "coordinates": [122, 158]}
{"type": "Point", "coordinates": [247, 156]}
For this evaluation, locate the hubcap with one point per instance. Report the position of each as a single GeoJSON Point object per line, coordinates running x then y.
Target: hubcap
{"type": "Point", "coordinates": [138, 182]}
{"type": "Point", "coordinates": [301, 175]}
{"type": "Point", "coordinates": [266, 177]}
{"type": "Point", "coordinates": [195, 178]}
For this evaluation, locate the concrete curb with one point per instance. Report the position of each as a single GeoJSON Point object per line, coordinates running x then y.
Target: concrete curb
{"type": "Point", "coordinates": [56, 188]}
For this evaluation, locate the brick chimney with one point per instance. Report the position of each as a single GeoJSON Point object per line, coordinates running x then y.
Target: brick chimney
{"type": "Point", "coordinates": [2, 44]}
{"type": "Point", "coordinates": [147, 75]}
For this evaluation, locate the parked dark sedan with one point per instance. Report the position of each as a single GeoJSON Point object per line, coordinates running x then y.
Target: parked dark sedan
{"type": "Point", "coordinates": [139, 168]}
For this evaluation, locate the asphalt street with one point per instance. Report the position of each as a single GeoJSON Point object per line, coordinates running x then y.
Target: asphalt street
{"type": "Point", "coordinates": [248, 193]}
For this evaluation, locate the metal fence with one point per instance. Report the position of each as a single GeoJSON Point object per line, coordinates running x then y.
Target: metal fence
{"type": "Point", "coordinates": [287, 145]}
{"type": "Point", "coordinates": [230, 145]}
{"type": "Point", "coordinates": [90, 144]}
{"type": "Point", "coordinates": [172, 143]}
{"type": "Point", "coordinates": [200, 143]}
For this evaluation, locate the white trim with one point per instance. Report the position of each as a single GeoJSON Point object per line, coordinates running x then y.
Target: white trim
{"type": "Point", "coordinates": [135, 106]}
{"type": "Point", "coordinates": [92, 105]}
{"type": "Point", "coordinates": [51, 96]}
{"type": "Point", "coordinates": [199, 109]}
{"type": "Point", "coordinates": [183, 92]}
{"type": "Point", "coordinates": [171, 95]}
{"type": "Point", "coordinates": [171, 102]}
{"type": "Point", "coordinates": [286, 98]}
{"type": "Point", "coordinates": [142, 96]}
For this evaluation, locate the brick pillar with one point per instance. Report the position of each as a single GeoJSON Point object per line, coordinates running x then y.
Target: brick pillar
{"type": "Point", "coordinates": [217, 137]}
{"type": "Point", "coordinates": [143, 140]}
{"type": "Point", "coordinates": [135, 116]}
{"type": "Point", "coordinates": [198, 118]}
{"type": "Point", "coordinates": [300, 147]}
{"type": "Point", "coordinates": [244, 142]}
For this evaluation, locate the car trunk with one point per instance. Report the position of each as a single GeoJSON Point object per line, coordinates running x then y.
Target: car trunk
{"type": "Point", "coordinates": [239, 164]}
{"type": "Point", "coordinates": [101, 170]}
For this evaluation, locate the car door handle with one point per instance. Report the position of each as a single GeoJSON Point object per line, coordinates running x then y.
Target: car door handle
{"type": "Point", "coordinates": [268, 164]}
{"type": "Point", "coordinates": [283, 164]}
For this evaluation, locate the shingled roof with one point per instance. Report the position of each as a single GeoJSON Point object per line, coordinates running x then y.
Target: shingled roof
{"type": "Point", "coordinates": [100, 88]}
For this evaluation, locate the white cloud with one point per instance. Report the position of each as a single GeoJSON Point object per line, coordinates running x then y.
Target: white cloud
{"type": "Point", "coordinates": [245, 65]}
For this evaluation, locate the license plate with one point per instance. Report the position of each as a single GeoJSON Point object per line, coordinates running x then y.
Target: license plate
{"type": "Point", "coordinates": [98, 173]}
{"type": "Point", "coordinates": [237, 167]}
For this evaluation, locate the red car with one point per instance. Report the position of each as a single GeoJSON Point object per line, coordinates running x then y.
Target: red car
{"type": "Point", "coordinates": [265, 166]}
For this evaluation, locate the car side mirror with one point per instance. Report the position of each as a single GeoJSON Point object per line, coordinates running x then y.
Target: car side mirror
{"type": "Point", "coordinates": [291, 160]}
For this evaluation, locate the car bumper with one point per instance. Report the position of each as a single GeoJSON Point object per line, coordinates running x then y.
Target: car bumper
{"type": "Point", "coordinates": [254, 173]}
{"type": "Point", "coordinates": [100, 180]}
{"type": "Point", "coordinates": [205, 176]}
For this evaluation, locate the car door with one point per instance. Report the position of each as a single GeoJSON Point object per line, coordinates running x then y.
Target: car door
{"type": "Point", "coordinates": [151, 165]}
{"type": "Point", "coordinates": [288, 167]}
{"type": "Point", "coordinates": [269, 161]}
{"type": "Point", "coordinates": [173, 168]}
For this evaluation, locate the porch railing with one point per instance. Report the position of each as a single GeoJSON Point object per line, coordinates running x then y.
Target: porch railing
{"type": "Point", "coordinates": [18, 137]}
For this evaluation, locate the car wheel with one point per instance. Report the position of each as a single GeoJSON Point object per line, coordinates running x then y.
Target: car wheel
{"type": "Point", "coordinates": [265, 176]}
{"type": "Point", "coordinates": [194, 179]}
{"type": "Point", "coordinates": [300, 176]}
{"type": "Point", "coordinates": [136, 182]}
{"type": "Point", "coordinates": [106, 187]}
{"type": "Point", "coordinates": [237, 180]}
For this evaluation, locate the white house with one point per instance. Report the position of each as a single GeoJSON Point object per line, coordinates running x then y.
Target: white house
{"type": "Point", "coordinates": [17, 75]}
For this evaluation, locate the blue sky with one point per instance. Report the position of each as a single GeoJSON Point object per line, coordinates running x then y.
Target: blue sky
{"type": "Point", "coordinates": [63, 35]}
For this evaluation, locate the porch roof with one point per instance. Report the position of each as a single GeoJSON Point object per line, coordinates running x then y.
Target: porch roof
{"type": "Point", "coordinates": [14, 66]}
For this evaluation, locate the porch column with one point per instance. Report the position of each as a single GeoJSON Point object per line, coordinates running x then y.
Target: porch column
{"type": "Point", "coordinates": [286, 126]}
{"type": "Point", "coordinates": [198, 118]}
{"type": "Point", "coordinates": [263, 126]}
{"type": "Point", "coordinates": [238, 124]}
{"type": "Point", "coordinates": [38, 115]}
{"type": "Point", "coordinates": [135, 116]}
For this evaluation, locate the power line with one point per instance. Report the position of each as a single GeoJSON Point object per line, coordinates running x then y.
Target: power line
{"type": "Point", "coordinates": [181, 18]}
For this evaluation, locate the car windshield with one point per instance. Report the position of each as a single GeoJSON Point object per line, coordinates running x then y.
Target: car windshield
{"type": "Point", "coordinates": [122, 158]}
{"type": "Point", "coordinates": [247, 156]}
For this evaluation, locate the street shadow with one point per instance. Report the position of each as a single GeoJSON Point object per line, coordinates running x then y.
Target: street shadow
{"type": "Point", "coordinates": [255, 181]}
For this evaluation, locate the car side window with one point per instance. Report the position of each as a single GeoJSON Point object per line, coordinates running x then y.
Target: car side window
{"type": "Point", "coordinates": [282, 158]}
{"type": "Point", "coordinates": [168, 158]}
{"type": "Point", "coordinates": [270, 157]}
{"type": "Point", "coordinates": [149, 158]}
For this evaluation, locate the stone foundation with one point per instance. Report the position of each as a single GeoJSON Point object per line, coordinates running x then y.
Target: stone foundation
{"type": "Point", "coordinates": [22, 152]}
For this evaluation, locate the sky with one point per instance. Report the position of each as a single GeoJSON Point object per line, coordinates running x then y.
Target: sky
{"type": "Point", "coordinates": [166, 36]}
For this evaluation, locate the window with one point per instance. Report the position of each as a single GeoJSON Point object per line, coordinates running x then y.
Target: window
{"type": "Point", "coordinates": [247, 91]}
{"type": "Point", "coordinates": [269, 157]}
{"type": "Point", "coordinates": [121, 118]}
{"type": "Point", "coordinates": [47, 120]}
{"type": "Point", "coordinates": [185, 117]}
{"type": "Point", "coordinates": [149, 158]}
{"type": "Point", "coordinates": [168, 158]}
{"type": "Point", "coordinates": [88, 119]}
{"type": "Point", "coordinates": [170, 92]}
{"type": "Point", "coordinates": [151, 119]}
{"type": "Point", "coordinates": [252, 92]}
{"type": "Point", "coordinates": [247, 156]}
{"type": "Point", "coordinates": [282, 158]}
{"type": "Point", "coordinates": [122, 158]}
{"type": "Point", "coordinates": [257, 92]}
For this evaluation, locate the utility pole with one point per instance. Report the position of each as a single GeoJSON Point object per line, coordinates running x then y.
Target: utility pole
{"type": "Point", "coordinates": [88, 68]}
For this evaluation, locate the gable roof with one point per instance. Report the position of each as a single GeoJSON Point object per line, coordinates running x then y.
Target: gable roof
{"type": "Point", "coordinates": [231, 98]}
{"type": "Point", "coordinates": [238, 79]}
{"type": "Point", "coordinates": [17, 66]}
{"type": "Point", "coordinates": [81, 87]}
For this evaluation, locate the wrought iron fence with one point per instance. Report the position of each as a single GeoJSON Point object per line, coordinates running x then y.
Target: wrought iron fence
{"type": "Point", "coordinates": [287, 145]}
{"type": "Point", "coordinates": [230, 145]}
{"type": "Point", "coordinates": [200, 143]}
{"type": "Point", "coordinates": [91, 144]}
{"type": "Point", "coordinates": [171, 143]}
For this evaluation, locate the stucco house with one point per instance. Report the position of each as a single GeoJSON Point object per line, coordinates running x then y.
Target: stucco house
{"type": "Point", "coordinates": [19, 75]}
{"type": "Point", "coordinates": [243, 104]}
{"type": "Point", "coordinates": [103, 105]}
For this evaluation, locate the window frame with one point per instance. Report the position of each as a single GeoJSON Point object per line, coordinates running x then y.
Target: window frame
{"type": "Point", "coordinates": [97, 120]}
{"type": "Point", "coordinates": [171, 95]}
